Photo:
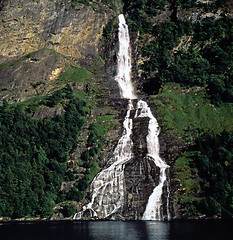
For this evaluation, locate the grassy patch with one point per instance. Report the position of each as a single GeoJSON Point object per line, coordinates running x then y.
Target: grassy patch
{"type": "Point", "coordinates": [75, 74]}
{"type": "Point", "coordinates": [188, 110]}
{"type": "Point", "coordinates": [105, 123]}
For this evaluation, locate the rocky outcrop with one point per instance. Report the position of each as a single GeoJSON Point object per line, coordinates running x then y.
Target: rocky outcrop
{"type": "Point", "coordinates": [72, 29]}
{"type": "Point", "coordinates": [48, 112]}
{"type": "Point", "coordinates": [33, 75]}
{"type": "Point", "coordinates": [33, 32]}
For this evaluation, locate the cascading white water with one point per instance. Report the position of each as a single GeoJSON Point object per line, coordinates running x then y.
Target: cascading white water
{"type": "Point", "coordinates": [154, 209]}
{"type": "Point", "coordinates": [123, 76]}
{"type": "Point", "coordinates": [107, 187]}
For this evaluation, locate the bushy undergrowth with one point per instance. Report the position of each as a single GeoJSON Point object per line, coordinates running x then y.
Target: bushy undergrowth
{"type": "Point", "coordinates": [205, 173]}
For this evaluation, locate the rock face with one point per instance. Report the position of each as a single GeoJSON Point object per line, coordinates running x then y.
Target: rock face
{"type": "Point", "coordinates": [32, 75]}
{"type": "Point", "coordinates": [141, 174]}
{"type": "Point", "coordinates": [72, 30]}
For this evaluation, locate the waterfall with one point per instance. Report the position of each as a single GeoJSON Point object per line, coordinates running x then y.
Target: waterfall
{"type": "Point", "coordinates": [107, 188]}
{"type": "Point", "coordinates": [154, 209]}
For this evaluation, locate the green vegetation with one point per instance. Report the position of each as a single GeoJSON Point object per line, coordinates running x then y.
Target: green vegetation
{"type": "Point", "coordinates": [189, 113]}
{"type": "Point", "coordinates": [141, 13]}
{"type": "Point", "coordinates": [67, 209]}
{"type": "Point", "coordinates": [190, 53]}
{"type": "Point", "coordinates": [34, 152]}
{"type": "Point", "coordinates": [107, 32]}
{"type": "Point", "coordinates": [190, 189]}
{"type": "Point", "coordinates": [205, 61]}
{"type": "Point", "coordinates": [214, 160]}
{"type": "Point", "coordinates": [97, 134]}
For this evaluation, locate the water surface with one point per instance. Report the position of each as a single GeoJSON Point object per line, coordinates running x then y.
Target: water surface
{"type": "Point", "coordinates": [116, 230]}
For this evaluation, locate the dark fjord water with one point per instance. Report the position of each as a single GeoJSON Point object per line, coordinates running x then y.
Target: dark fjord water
{"type": "Point", "coordinates": [130, 230]}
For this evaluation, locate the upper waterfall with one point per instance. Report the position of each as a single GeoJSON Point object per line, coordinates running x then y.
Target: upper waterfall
{"type": "Point", "coordinates": [123, 76]}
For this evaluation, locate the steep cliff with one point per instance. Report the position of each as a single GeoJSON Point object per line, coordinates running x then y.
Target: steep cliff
{"type": "Point", "coordinates": [68, 27]}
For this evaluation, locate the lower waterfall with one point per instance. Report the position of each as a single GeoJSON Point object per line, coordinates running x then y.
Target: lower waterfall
{"type": "Point", "coordinates": [154, 209]}
{"type": "Point", "coordinates": [108, 187]}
